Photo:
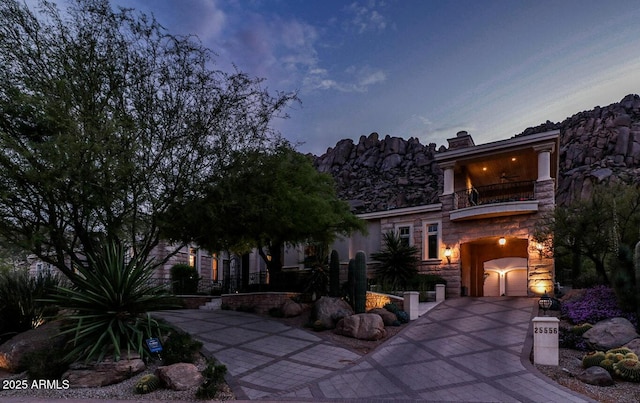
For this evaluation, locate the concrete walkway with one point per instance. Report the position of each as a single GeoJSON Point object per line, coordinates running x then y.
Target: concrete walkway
{"type": "Point", "coordinates": [462, 350]}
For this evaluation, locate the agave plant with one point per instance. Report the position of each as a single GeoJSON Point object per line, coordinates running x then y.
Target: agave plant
{"type": "Point", "coordinates": [396, 263]}
{"type": "Point", "coordinates": [109, 305]}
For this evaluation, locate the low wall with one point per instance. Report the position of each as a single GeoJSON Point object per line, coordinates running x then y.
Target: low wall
{"type": "Point", "coordinates": [194, 301]}
{"type": "Point", "coordinates": [261, 302]}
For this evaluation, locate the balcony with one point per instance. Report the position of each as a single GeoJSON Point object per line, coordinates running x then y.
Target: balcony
{"type": "Point", "coordinates": [501, 199]}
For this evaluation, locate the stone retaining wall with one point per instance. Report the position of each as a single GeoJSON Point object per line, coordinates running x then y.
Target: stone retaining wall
{"type": "Point", "coordinates": [261, 302]}
{"type": "Point", "coordinates": [377, 300]}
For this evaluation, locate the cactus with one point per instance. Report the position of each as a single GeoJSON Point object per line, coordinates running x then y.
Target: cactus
{"type": "Point", "coordinates": [334, 274]}
{"type": "Point", "coordinates": [593, 359]}
{"type": "Point", "coordinates": [628, 369]}
{"type": "Point", "coordinates": [632, 356]}
{"type": "Point", "coordinates": [148, 383]}
{"type": "Point", "coordinates": [360, 287]}
{"type": "Point", "coordinates": [620, 350]}
{"type": "Point", "coordinates": [607, 364]}
{"type": "Point", "coordinates": [579, 330]}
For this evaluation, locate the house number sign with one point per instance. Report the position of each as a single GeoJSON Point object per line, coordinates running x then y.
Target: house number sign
{"type": "Point", "coordinates": [545, 340]}
{"type": "Point", "coordinates": [545, 330]}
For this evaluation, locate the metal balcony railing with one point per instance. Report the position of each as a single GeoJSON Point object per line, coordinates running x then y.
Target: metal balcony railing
{"type": "Point", "coordinates": [496, 193]}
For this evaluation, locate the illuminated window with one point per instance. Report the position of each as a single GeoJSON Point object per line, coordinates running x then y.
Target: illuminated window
{"type": "Point", "coordinates": [214, 267]}
{"type": "Point", "coordinates": [193, 252]}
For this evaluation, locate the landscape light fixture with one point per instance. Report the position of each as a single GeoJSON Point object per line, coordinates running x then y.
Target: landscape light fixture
{"type": "Point", "coordinates": [447, 254]}
{"type": "Point", "coordinates": [544, 303]}
{"type": "Point", "coordinates": [502, 241]}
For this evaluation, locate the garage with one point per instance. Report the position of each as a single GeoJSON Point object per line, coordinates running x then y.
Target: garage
{"type": "Point", "coordinates": [513, 281]}
{"type": "Point", "coordinates": [516, 283]}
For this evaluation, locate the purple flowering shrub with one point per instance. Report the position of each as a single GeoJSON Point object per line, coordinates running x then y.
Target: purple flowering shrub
{"type": "Point", "coordinates": [597, 303]}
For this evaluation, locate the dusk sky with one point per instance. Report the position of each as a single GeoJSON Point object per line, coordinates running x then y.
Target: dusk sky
{"type": "Point", "coordinates": [424, 69]}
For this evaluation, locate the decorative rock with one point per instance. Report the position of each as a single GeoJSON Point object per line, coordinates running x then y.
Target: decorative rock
{"type": "Point", "coordinates": [596, 376]}
{"type": "Point", "coordinates": [610, 333]}
{"type": "Point", "coordinates": [180, 376]}
{"type": "Point", "coordinates": [328, 311]}
{"type": "Point", "coordinates": [363, 326]}
{"type": "Point", "coordinates": [388, 318]}
{"type": "Point", "coordinates": [42, 337]}
{"type": "Point", "coordinates": [290, 308]}
{"type": "Point", "coordinates": [106, 372]}
{"type": "Point", "coordinates": [634, 345]}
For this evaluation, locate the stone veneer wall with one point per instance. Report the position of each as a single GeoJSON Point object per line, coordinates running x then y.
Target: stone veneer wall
{"type": "Point", "coordinates": [260, 301]}
{"type": "Point", "coordinates": [377, 300]}
{"type": "Point", "coordinates": [515, 226]}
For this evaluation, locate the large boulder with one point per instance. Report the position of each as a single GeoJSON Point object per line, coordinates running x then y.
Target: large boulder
{"type": "Point", "coordinates": [610, 333]}
{"type": "Point", "coordinates": [634, 345]}
{"type": "Point", "coordinates": [388, 318]}
{"type": "Point", "coordinates": [103, 373]}
{"type": "Point", "coordinates": [363, 326]}
{"type": "Point", "coordinates": [180, 376]}
{"type": "Point", "coordinates": [43, 337]}
{"type": "Point", "coordinates": [596, 376]}
{"type": "Point", "coordinates": [291, 308]}
{"type": "Point", "coordinates": [328, 311]}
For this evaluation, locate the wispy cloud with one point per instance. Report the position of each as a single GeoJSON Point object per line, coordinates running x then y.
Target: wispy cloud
{"type": "Point", "coordinates": [366, 18]}
{"type": "Point", "coordinates": [356, 79]}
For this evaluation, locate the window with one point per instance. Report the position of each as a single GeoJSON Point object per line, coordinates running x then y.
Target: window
{"type": "Point", "coordinates": [431, 240]}
{"type": "Point", "coordinates": [404, 232]}
{"type": "Point", "coordinates": [193, 253]}
{"type": "Point", "coordinates": [214, 267]}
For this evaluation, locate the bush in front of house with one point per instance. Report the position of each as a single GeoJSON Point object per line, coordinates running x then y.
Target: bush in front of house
{"type": "Point", "coordinates": [21, 307]}
{"type": "Point", "coordinates": [109, 304]}
{"type": "Point", "coordinates": [595, 304]}
{"type": "Point", "coordinates": [184, 279]}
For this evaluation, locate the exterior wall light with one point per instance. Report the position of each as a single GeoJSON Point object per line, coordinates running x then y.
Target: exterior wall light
{"type": "Point", "coordinates": [539, 247]}
{"type": "Point", "coordinates": [502, 241]}
{"type": "Point", "coordinates": [447, 254]}
{"type": "Point", "coordinates": [544, 303]}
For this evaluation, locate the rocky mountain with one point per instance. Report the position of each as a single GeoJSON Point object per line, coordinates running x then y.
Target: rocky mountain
{"type": "Point", "coordinates": [600, 145]}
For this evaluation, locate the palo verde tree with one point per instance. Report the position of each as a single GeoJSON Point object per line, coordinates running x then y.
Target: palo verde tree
{"type": "Point", "coordinates": [596, 231]}
{"type": "Point", "coordinates": [266, 200]}
{"type": "Point", "coordinates": [106, 121]}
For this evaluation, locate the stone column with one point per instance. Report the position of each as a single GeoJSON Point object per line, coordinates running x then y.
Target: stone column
{"type": "Point", "coordinates": [545, 340]}
{"type": "Point", "coordinates": [448, 178]}
{"type": "Point", "coordinates": [544, 161]}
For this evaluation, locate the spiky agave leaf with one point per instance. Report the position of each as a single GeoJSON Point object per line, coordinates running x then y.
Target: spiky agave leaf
{"type": "Point", "coordinates": [109, 304]}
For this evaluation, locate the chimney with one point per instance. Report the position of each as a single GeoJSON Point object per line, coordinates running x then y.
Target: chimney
{"type": "Point", "coordinates": [462, 140]}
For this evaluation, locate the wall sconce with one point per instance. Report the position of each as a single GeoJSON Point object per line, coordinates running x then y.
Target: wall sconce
{"type": "Point", "coordinates": [544, 303]}
{"type": "Point", "coordinates": [539, 247]}
{"type": "Point", "coordinates": [447, 254]}
{"type": "Point", "coordinates": [502, 241]}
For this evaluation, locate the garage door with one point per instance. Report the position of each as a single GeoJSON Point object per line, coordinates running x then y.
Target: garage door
{"type": "Point", "coordinates": [516, 283]}
{"type": "Point", "coordinates": [491, 284]}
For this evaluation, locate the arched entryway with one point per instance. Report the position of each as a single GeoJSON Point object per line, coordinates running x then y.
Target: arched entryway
{"type": "Point", "coordinates": [474, 255]}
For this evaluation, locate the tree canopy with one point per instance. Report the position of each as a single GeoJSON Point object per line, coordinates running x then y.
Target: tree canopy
{"type": "Point", "coordinates": [594, 231]}
{"type": "Point", "coordinates": [106, 121]}
{"type": "Point", "coordinates": [266, 200]}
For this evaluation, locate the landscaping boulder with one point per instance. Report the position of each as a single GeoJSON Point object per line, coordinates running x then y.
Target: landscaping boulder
{"type": "Point", "coordinates": [388, 318]}
{"type": "Point", "coordinates": [291, 308]}
{"type": "Point", "coordinates": [40, 338]}
{"type": "Point", "coordinates": [596, 376]}
{"type": "Point", "coordinates": [180, 376]}
{"type": "Point", "coordinates": [103, 373]}
{"type": "Point", "coordinates": [363, 326]}
{"type": "Point", "coordinates": [634, 345]}
{"type": "Point", "coordinates": [610, 333]}
{"type": "Point", "coordinates": [328, 311]}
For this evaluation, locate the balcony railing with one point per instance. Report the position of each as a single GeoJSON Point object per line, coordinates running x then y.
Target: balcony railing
{"type": "Point", "coordinates": [496, 193]}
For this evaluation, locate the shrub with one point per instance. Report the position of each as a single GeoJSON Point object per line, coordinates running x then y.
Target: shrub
{"type": "Point", "coordinates": [184, 279]}
{"type": "Point", "coordinates": [396, 263]}
{"type": "Point", "coordinates": [596, 304]}
{"type": "Point", "coordinates": [568, 339]}
{"type": "Point", "coordinates": [109, 304]}
{"type": "Point", "coordinates": [391, 307]}
{"type": "Point", "coordinates": [21, 307]}
{"type": "Point", "coordinates": [49, 363]}
{"type": "Point", "coordinates": [180, 347]}
{"type": "Point", "coordinates": [213, 377]}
